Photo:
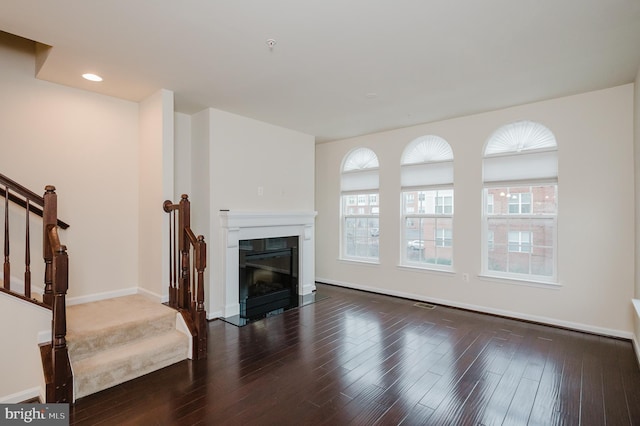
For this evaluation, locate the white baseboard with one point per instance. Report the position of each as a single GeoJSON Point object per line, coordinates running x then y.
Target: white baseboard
{"type": "Point", "coordinates": [307, 289]}
{"type": "Point", "coordinates": [102, 296]}
{"type": "Point", "coordinates": [21, 396]}
{"type": "Point", "coordinates": [511, 314]}
{"type": "Point", "coordinates": [154, 296]}
{"type": "Point", "coordinates": [214, 315]}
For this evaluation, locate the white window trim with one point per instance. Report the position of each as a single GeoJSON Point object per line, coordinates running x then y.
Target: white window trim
{"type": "Point", "coordinates": [404, 262]}
{"type": "Point", "coordinates": [343, 236]}
{"type": "Point", "coordinates": [528, 282]}
{"type": "Point", "coordinates": [510, 276]}
{"type": "Point", "coordinates": [359, 177]}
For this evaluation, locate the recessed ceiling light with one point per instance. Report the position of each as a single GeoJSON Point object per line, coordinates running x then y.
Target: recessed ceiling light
{"type": "Point", "coordinates": [371, 95]}
{"type": "Point", "coordinates": [92, 77]}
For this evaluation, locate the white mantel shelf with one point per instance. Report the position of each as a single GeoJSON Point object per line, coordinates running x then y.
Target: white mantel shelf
{"type": "Point", "coordinates": [247, 225]}
{"type": "Point", "coordinates": [250, 219]}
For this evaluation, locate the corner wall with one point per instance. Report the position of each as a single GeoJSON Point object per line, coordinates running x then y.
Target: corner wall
{"type": "Point", "coordinates": [596, 213]}
{"type": "Point", "coordinates": [86, 145]}
{"type": "Point", "coordinates": [156, 180]}
{"type": "Point", "coordinates": [241, 164]}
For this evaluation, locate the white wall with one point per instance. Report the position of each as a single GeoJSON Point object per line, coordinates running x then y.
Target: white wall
{"type": "Point", "coordinates": [21, 372]}
{"type": "Point", "coordinates": [87, 146]}
{"type": "Point", "coordinates": [246, 155]}
{"type": "Point", "coordinates": [243, 164]}
{"type": "Point", "coordinates": [182, 156]}
{"type": "Point", "coordinates": [200, 180]}
{"type": "Point", "coordinates": [156, 180]}
{"type": "Point", "coordinates": [596, 213]}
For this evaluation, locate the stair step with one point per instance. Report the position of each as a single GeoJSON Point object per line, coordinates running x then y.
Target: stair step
{"type": "Point", "coordinates": [104, 324]}
{"type": "Point", "coordinates": [115, 340]}
{"type": "Point", "coordinates": [125, 362]}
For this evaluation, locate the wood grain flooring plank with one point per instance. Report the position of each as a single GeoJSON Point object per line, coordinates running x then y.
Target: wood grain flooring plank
{"type": "Point", "coordinates": [502, 397]}
{"type": "Point", "coordinates": [358, 358]}
{"type": "Point", "coordinates": [592, 398]}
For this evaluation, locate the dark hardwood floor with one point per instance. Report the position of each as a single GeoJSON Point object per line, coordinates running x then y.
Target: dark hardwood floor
{"type": "Point", "coordinates": [357, 358]}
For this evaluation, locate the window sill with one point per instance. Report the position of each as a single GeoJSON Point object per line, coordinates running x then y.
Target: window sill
{"type": "Point", "coordinates": [523, 282]}
{"type": "Point", "coordinates": [417, 268]}
{"type": "Point", "coordinates": [359, 261]}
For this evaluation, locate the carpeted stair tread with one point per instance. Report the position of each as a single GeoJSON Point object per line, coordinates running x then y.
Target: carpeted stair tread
{"type": "Point", "coordinates": [107, 323]}
{"type": "Point", "coordinates": [125, 362]}
{"type": "Point", "coordinates": [115, 340]}
{"type": "Point", "coordinates": [89, 317]}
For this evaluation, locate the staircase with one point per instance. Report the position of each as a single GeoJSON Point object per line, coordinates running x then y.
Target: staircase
{"type": "Point", "coordinates": [98, 345]}
{"type": "Point", "coordinates": [116, 340]}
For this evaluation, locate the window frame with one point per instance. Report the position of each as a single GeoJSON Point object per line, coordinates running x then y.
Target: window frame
{"type": "Point", "coordinates": [345, 216]}
{"type": "Point", "coordinates": [359, 200]}
{"type": "Point", "coordinates": [418, 218]}
{"type": "Point", "coordinates": [489, 246]}
{"type": "Point", "coordinates": [426, 166]}
{"type": "Point", "coordinates": [520, 154]}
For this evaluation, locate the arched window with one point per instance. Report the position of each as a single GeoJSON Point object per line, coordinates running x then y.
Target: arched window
{"type": "Point", "coordinates": [360, 206]}
{"type": "Point", "coordinates": [427, 203]}
{"type": "Point", "coordinates": [520, 196]}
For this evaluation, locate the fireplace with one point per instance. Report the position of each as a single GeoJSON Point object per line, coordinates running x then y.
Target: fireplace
{"type": "Point", "coordinates": [268, 275]}
{"type": "Point", "coordinates": [239, 227]}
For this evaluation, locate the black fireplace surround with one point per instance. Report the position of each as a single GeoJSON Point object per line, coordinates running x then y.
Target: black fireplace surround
{"type": "Point", "coordinates": [268, 279]}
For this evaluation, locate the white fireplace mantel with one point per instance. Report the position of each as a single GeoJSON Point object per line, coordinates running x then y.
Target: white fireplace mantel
{"type": "Point", "coordinates": [248, 225]}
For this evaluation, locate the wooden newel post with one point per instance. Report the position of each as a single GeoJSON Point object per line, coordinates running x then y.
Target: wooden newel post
{"type": "Point", "coordinates": [189, 291]}
{"type": "Point", "coordinates": [49, 218]}
{"type": "Point", "coordinates": [184, 282]}
{"type": "Point", "coordinates": [200, 317]}
{"type": "Point", "coordinates": [61, 368]}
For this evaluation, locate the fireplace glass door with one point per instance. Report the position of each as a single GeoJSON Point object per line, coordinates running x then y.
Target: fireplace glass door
{"type": "Point", "coordinates": [268, 279]}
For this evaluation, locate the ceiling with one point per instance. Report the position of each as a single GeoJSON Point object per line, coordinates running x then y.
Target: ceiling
{"type": "Point", "coordinates": [339, 68]}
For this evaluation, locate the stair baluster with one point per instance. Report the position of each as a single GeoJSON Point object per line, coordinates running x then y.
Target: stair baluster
{"type": "Point", "coordinates": [27, 253]}
{"type": "Point", "coordinates": [7, 265]}
{"type": "Point", "coordinates": [58, 375]}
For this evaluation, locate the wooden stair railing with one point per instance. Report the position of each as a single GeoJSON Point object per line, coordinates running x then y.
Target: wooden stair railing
{"type": "Point", "coordinates": [187, 262]}
{"type": "Point", "coordinates": [58, 375]}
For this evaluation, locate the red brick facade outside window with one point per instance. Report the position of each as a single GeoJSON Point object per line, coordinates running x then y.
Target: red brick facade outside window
{"type": "Point", "coordinates": [428, 227]}
{"type": "Point", "coordinates": [521, 224]}
{"type": "Point", "coordinates": [361, 228]}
